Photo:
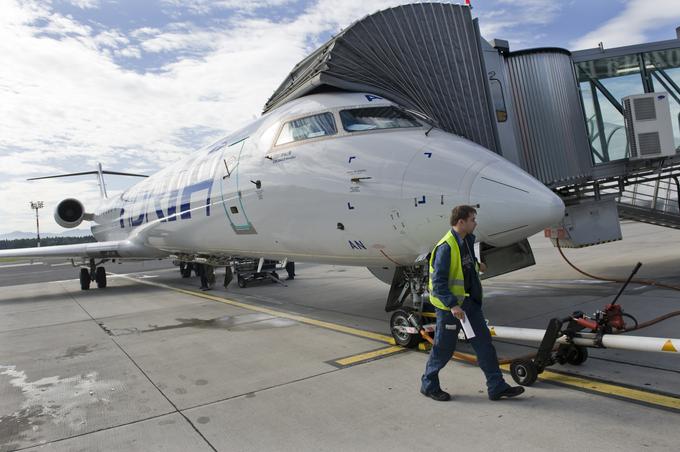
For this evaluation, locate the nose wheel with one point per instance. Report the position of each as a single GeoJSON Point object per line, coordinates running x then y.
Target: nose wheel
{"type": "Point", "coordinates": [402, 330]}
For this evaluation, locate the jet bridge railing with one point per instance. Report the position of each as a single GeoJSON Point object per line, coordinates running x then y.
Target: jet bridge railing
{"type": "Point", "coordinates": [652, 202]}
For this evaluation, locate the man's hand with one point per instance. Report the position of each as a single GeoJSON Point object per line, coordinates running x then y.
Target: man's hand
{"type": "Point", "coordinates": [482, 267]}
{"type": "Point", "coordinates": [458, 312]}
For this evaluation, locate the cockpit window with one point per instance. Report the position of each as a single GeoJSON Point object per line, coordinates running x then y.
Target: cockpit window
{"type": "Point", "coordinates": [305, 128]}
{"type": "Point", "coordinates": [360, 119]}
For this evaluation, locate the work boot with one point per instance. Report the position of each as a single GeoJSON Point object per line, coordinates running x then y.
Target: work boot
{"type": "Point", "coordinates": [438, 395]}
{"type": "Point", "coordinates": [510, 391]}
{"type": "Point", "coordinates": [290, 277]}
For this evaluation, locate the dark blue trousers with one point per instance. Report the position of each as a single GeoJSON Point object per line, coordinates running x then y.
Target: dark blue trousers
{"type": "Point", "coordinates": [445, 340]}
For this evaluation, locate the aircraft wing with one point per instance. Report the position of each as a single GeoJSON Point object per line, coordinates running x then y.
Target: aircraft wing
{"type": "Point", "coordinates": [111, 249]}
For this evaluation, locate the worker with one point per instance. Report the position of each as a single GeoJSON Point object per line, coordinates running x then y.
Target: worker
{"type": "Point", "coordinates": [210, 275]}
{"type": "Point", "coordinates": [290, 269]}
{"type": "Point", "coordinates": [456, 293]}
{"type": "Point", "coordinates": [203, 272]}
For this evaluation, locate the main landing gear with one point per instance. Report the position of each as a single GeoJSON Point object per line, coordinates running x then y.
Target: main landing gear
{"type": "Point", "coordinates": [96, 273]}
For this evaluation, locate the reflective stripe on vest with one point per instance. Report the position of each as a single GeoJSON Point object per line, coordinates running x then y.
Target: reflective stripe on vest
{"type": "Point", "coordinates": [456, 279]}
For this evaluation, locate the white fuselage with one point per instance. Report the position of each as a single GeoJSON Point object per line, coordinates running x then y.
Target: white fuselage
{"type": "Point", "coordinates": [369, 198]}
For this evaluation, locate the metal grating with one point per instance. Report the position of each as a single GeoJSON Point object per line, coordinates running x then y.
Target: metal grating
{"type": "Point", "coordinates": [650, 143]}
{"type": "Point", "coordinates": [425, 57]}
{"type": "Point", "coordinates": [644, 109]}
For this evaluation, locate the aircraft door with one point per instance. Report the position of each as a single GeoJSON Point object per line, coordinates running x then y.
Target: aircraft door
{"type": "Point", "coordinates": [232, 187]}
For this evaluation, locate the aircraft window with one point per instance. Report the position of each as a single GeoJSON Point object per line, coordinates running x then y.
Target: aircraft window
{"type": "Point", "coordinates": [360, 119]}
{"type": "Point", "coordinates": [306, 128]}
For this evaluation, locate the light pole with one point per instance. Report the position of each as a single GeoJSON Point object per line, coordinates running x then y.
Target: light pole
{"type": "Point", "coordinates": [35, 205]}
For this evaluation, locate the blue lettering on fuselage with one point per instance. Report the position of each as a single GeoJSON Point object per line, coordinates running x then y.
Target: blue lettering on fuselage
{"type": "Point", "coordinates": [185, 207]}
{"type": "Point", "coordinates": [172, 206]}
{"type": "Point", "coordinates": [122, 218]}
{"type": "Point", "coordinates": [151, 201]}
{"type": "Point", "coordinates": [140, 219]}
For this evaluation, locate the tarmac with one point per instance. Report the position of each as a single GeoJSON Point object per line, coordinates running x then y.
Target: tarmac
{"type": "Point", "coordinates": [152, 363]}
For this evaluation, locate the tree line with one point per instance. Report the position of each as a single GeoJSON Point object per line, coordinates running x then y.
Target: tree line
{"type": "Point", "coordinates": [45, 241]}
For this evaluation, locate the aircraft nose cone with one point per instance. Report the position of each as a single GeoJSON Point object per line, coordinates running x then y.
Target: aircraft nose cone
{"type": "Point", "coordinates": [512, 204]}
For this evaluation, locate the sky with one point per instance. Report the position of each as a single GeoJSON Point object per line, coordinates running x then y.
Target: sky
{"type": "Point", "coordinates": [137, 84]}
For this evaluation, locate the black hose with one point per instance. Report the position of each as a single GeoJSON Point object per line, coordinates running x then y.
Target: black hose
{"type": "Point", "coordinates": [650, 322]}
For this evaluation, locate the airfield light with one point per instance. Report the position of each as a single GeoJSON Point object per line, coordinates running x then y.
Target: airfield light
{"type": "Point", "coordinates": [35, 205]}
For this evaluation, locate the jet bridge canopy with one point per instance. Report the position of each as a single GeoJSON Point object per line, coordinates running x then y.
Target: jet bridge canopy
{"type": "Point", "coordinates": [426, 57]}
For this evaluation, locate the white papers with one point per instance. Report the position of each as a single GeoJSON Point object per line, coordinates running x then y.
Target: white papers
{"type": "Point", "coordinates": [467, 328]}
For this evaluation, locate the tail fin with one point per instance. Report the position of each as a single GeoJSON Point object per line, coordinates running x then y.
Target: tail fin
{"type": "Point", "coordinates": [100, 177]}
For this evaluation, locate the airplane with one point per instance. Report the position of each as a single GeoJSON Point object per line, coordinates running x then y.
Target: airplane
{"type": "Point", "coordinates": [338, 178]}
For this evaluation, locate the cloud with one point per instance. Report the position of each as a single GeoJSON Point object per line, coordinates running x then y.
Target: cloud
{"type": "Point", "coordinates": [632, 25]}
{"type": "Point", "coordinates": [209, 6]}
{"type": "Point", "coordinates": [194, 40]}
{"type": "Point", "coordinates": [85, 4]}
{"type": "Point", "coordinates": [129, 52]}
{"type": "Point", "coordinates": [517, 21]}
{"type": "Point", "coordinates": [111, 38]}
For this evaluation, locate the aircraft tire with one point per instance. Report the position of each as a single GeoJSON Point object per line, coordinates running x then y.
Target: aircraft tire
{"type": "Point", "coordinates": [400, 319]}
{"type": "Point", "coordinates": [84, 279]}
{"type": "Point", "coordinates": [100, 277]}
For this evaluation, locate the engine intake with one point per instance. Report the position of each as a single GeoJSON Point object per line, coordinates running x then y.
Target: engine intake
{"type": "Point", "coordinates": [69, 213]}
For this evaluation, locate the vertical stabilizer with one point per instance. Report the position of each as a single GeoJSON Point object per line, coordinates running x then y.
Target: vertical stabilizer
{"type": "Point", "coordinates": [100, 180]}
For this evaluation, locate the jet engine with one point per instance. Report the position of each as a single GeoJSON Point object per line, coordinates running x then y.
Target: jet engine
{"type": "Point", "coordinates": [69, 213]}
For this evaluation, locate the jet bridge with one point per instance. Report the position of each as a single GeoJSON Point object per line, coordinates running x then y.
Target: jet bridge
{"type": "Point", "coordinates": [425, 56]}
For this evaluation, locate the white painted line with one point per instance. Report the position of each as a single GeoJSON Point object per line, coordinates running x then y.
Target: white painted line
{"type": "Point", "coordinates": [60, 265]}
{"type": "Point", "coordinates": [21, 265]}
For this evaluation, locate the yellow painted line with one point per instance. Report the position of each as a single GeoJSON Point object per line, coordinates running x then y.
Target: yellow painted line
{"type": "Point", "coordinates": [273, 312]}
{"type": "Point", "coordinates": [565, 380]}
{"type": "Point", "coordinates": [608, 389]}
{"type": "Point", "coordinates": [369, 355]}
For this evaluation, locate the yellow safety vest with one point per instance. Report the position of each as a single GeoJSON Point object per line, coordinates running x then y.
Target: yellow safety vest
{"type": "Point", "coordinates": [456, 279]}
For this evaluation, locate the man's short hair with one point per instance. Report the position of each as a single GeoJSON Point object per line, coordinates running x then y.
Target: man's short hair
{"type": "Point", "coordinates": [461, 213]}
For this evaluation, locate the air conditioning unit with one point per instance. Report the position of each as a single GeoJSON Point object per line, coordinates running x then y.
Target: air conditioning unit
{"type": "Point", "coordinates": [648, 126]}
